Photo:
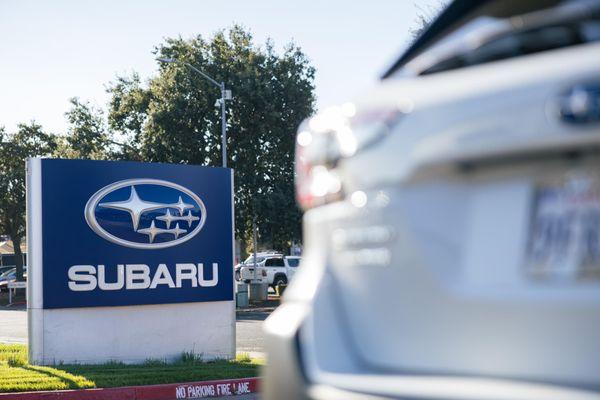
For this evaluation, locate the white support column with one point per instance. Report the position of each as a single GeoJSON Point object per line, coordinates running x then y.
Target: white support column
{"type": "Point", "coordinates": [35, 311]}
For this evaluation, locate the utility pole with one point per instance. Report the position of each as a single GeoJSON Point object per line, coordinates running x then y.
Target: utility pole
{"type": "Point", "coordinates": [255, 239]}
{"type": "Point", "coordinates": [225, 95]}
{"type": "Point", "coordinates": [224, 124]}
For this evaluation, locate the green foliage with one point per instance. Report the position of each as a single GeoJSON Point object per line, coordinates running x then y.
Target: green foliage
{"type": "Point", "coordinates": [189, 357]}
{"type": "Point", "coordinates": [16, 361]}
{"type": "Point", "coordinates": [29, 141]}
{"type": "Point", "coordinates": [425, 16]}
{"type": "Point", "coordinates": [12, 350]}
{"type": "Point", "coordinates": [243, 357]}
{"type": "Point", "coordinates": [25, 377]}
{"type": "Point", "coordinates": [87, 135]}
{"type": "Point", "coordinates": [128, 106]}
{"type": "Point", "coordinates": [155, 362]}
{"type": "Point", "coordinates": [16, 375]}
{"type": "Point", "coordinates": [173, 119]}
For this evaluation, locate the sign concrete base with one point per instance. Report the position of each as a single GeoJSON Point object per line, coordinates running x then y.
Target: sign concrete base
{"type": "Point", "coordinates": [132, 334]}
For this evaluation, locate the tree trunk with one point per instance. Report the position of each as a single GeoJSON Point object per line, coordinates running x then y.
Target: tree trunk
{"type": "Point", "coordinates": [18, 257]}
{"type": "Point", "coordinates": [243, 249]}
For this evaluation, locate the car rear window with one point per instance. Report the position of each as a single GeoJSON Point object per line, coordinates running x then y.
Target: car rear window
{"type": "Point", "coordinates": [500, 30]}
{"type": "Point", "coordinates": [293, 262]}
{"type": "Point", "coordinates": [274, 262]}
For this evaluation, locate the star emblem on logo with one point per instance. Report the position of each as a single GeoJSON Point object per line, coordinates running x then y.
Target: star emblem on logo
{"type": "Point", "coordinates": [136, 207]}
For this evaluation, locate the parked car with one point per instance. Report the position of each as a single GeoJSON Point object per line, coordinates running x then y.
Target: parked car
{"type": "Point", "coordinates": [452, 219]}
{"type": "Point", "coordinates": [8, 276]}
{"type": "Point", "coordinates": [260, 257]}
{"type": "Point", "coordinates": [5, 268]}
{"type": "Point", "coordinates": [247, 274]}
{"type": "Point", "coordinates": [291, 266]}
{"type": "Point", "coordinates": [275, 268]}
{"type": "Point", "coordinates": [280, 270]}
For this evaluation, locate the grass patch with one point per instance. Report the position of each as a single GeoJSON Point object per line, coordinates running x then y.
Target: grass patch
{"type": "Point", "coordinates": [17, 375]}
{"type": "Point", "coordinates": [243, 357]}
{"type": "Point", "coordinates": [188, 357]}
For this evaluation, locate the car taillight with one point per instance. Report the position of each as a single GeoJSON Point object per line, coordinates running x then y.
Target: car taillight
{"type": "Point", "coordinates": [315, 185]}
{"type": "Point", "coordinates": [331, 135]}
{"type": "Point", "coordinates": [264, 273]}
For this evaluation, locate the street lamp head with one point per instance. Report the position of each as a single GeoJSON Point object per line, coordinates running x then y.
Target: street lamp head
{"type": "Point", "coordinates": [166, 60]}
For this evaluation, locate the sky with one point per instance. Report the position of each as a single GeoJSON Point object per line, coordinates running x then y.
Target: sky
{"type": "Point", "coordinates": [54, 50]}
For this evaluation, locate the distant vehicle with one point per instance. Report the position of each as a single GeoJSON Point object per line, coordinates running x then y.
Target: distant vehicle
{"type": "Point", "coordinates": [452, 219]}
{"type": "Point", "coordinates": [280, 269]}
{"type": "Point", "coordinates": [247, 275]}
{"type": "Point", "coordinates": [260, 257]}
{"type": "Point", "coordinates": [8, 276]}
{"type": "Point", "coordinates": [291, 266]}
{"type": "Point", "coordinates": [5, 268]}
{"type": "Point", "coordinates": [273, 267]}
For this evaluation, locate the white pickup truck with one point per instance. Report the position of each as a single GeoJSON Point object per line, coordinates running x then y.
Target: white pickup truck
{"type": "Point", "coordinates": [274, 269]}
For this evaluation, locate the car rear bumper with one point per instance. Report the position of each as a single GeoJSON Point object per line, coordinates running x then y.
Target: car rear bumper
{"type": "Point", "coordinates": [311, 353]}
{"type": "Point", "coordinates": [286, 375]}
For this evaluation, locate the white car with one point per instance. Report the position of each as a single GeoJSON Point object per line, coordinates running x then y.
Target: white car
{"type": "Point", "coordinates": [291, 266]}
{"type": "Point", "coordinates": [274, 269]}
{"type": "Point", "coordinates": [247, 275]}
{"type": "Point", "coordinates": [249, 262]}
{"type": "Point", "coordinates": [452, 223]}
{"type": "Point", "coordinates": [10, 275]}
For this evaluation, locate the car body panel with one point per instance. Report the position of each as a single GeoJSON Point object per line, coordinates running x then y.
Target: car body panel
{"type": "Point", "coordinates": [428, 287]}
{"type": "Point", "coordinates": [292, 263]}
{"type": "Point", "coordinates": [271, 267]}
{"type": "Point", "coordinates": [467, 271]}
{"type": "Point", "coordinates": [274, 266]}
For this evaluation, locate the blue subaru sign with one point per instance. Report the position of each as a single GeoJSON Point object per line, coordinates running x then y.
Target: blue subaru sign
{"type": "Point", "coordinates": [127, 233]}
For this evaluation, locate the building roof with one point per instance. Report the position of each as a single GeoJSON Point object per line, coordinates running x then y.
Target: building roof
{"type": "Point", "coordinates": [7, 247]}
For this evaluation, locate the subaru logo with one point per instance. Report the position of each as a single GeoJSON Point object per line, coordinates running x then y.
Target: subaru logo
{"type": "Point", "coordinates": [145, 213]}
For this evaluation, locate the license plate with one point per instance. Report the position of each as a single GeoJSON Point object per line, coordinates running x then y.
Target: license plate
{"type": "Point", "coordinates": [564, 234]}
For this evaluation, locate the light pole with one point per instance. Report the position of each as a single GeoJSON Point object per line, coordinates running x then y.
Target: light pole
{"type": "Point", "coordinates": [225, 95]}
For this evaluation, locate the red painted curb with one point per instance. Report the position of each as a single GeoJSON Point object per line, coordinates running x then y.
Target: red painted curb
{"type": "Point", "coordinates": [189, 390]}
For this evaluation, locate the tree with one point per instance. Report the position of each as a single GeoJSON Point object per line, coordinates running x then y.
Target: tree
{"type": "Point", "coordinates": [129, 106]}
{"type": "Point", "coordinates": [425, 16]}
{"type": "Point", "coordinates": [28, 141]}
{"type": "Point", "coordinates": [87, 135]}
{"type": "Point", "coordinates": [174, 119]}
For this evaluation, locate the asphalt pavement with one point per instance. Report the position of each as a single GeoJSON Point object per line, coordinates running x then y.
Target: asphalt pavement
{"type": "Point", "coordinates": [13, 325]}
{"type": "Point", "coordinates": [249, 336]}
{"type": "Point", "coordinates": [250, 396]}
